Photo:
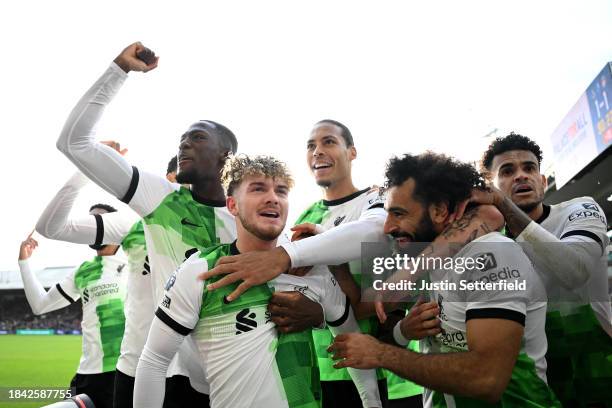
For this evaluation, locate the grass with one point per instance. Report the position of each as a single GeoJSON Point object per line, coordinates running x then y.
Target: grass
{"type": "Point", "coordinates": [37, 362]}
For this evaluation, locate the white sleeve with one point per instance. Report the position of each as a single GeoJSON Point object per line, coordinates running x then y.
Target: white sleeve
{"type": "Point", "coordinates": [340, 319]}
{"type": "Point", "coordinates": [365, 380]}
{"type": "Point", "coordinates": [340, 244]}
{"type": "Point", "coordinates": [54, 223]}
{"type": "Point", "coordinates": [570, 259]}
{"type": "Point", "coordinates": [503, 261]}
{"type": "Point", "coordinates": [40, 300]}
{"type": "Point", "coordinates": [102, 164]}
{"type": "Point", "coordinates": [180, 305]}
{"type": "Point", "coordinates": [150, 384]}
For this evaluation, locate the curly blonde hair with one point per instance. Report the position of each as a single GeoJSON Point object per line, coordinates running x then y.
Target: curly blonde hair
{"type": "Point", "coordinates": [238, 167]}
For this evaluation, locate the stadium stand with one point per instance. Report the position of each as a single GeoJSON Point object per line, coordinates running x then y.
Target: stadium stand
{"type": "Point", "coordinates": [16, 314]}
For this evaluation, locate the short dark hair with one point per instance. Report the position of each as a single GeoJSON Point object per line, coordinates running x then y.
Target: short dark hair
{"type": "Point", "coordinates": [105, 207]}
{"type": "Point", "coordinates": [225, 135]}
{"type": "Point", "coordinates": [513, 141]}
{"type": "Point", "coordinates": [345, 132]}
{"type": "Point", "coordinates": [172, 165]}
{"type": "Point", "coordinates": [439, 178]}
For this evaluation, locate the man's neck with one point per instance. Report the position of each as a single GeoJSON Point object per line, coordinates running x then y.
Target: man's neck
{"type": "Point", "coordinates": [208, 190]}
{"type": "Point", "coordinates": [339, 190]}
{"type": "Point", "coordinates": [247, 242]}
{"type": "Point", "coordinates": [537, 212]}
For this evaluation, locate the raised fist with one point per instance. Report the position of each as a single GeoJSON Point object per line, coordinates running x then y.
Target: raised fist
{"type": "Point", "coordinates": [137, 57]}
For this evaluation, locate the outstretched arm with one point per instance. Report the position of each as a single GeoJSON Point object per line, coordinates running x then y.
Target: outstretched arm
{"type": "Point", "coordinates": [582, 243]}
{"type": "Point", "coordinates": [101, 163]}
{"type": "Point", "coordinates": [257, 267]}
{"type": "Point", "coordinates": [40, 300]}
{"type": "Point", "coordinates": [54, 223]}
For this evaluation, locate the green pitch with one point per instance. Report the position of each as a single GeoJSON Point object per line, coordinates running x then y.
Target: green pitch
{"type": "Point", "coordinates": [37, 361]}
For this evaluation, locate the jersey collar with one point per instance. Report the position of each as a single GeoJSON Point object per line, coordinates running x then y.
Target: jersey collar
{"type": "Point", "coordinates": [343, 200]}
{"type": "Point", "coordinates": [544, 215]}
{"type": "Point", "coordinates": [234, 249]}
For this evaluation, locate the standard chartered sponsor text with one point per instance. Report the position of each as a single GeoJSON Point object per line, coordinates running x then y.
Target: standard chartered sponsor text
{"type": "Point", "coordinates": [104, 289]}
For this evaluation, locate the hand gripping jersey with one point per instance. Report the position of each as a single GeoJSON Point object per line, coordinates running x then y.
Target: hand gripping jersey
{"type": "Point", "coordinates": [579, 331]}
{"type": "Point", "coordinates": [330, 214]}
{"type": "Point", "coordinates": [246, 362]}
{"type": "Point", "coordinates": [503, 260]}
{"type": "Point", "coordinates": [100, 283]}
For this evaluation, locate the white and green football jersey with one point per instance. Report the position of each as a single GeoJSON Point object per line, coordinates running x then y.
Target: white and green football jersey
{"type": "Point", "coordinates": [101, 286]}
{"type": "Point", "coordinates": [247, 363]}
{"type": "Point", "coordinates": [503, 259]}
{"type": "Point", "coordinates": [578, 323]}
{"type": "Point", "coordinates": [330, 214]}
{"type": "Point", "coordinates": [176, 226]}
{"type": "Point", "coordinates": [138, 300]}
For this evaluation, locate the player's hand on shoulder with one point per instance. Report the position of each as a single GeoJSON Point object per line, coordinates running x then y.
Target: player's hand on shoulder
{"type": "Point", "coordinates": [305, 230]}
{"type": "Point", "coordinates": [27, 247]}
{"type": "Point", "coordinates": [137, 57]}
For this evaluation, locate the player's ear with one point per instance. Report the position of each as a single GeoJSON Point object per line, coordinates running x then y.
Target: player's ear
{"type": "Point", "coordinates": [544, 181]}
{"type": "Point", "coordinates": [230, 202]}
{"type": "Point", "coordinates": [438, 213]}
{"type": "Point", "coordinates": [352, 153]}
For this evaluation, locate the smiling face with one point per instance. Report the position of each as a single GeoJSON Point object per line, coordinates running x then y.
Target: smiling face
{"type": "Point", "coordinates": [327, 155]}
{"type": "Point", "coordinates": [408, 219]}
{"type": "Point", "coordinates": [201, 154]}
{"type": "Point", "coordinates": [517, 174]}
{"type": "Point", "coordinates": [260, 205]}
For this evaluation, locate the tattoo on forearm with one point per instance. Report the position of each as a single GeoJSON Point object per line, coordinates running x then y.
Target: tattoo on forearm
{"type": "Point", "coordinates": [516, 219]}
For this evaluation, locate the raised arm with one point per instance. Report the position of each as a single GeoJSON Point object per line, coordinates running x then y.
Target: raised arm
{"type": "Point", "coordinates": [101, 163]}
{"type": "Point", "coordinates": [40, 300]}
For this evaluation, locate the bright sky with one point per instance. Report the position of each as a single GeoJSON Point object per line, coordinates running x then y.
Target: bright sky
{"type": "Point", "coordinates": [404, 76]}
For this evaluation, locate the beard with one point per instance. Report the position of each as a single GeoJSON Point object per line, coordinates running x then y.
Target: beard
{"type": "Point", "coordinates": [421, 238]}
{"type": "Point", "coordinates": [324, 183]}
{"type": "Point", "coordinates": [186, 176]}
{"type": "Point", "coordinates": [425, 231]}
{"type": "Point", "coordinates": [269, 235]}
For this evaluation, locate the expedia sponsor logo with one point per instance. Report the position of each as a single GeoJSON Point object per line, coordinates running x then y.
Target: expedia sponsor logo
{"type": "Point", "coordinates": [338, 220]}
{"type": "Point", "coordinates": [487, 260]}
{"type": "Point", "coordinates": [166, 302]}
{"type": "Point", "coordinates": [590, 206]}
{"type": "Point", "coordinates": [245, 321]}
{"type": "Point", "coordinates": [584, 214]}
{"type": "Point", "coordinates": [170, 282]}
{"type": "Point", "coordinates": [505, 273]}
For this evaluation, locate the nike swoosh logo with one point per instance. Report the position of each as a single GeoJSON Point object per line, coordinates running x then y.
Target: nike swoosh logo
{"type": "Point", "coordinates": [185, 221]}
